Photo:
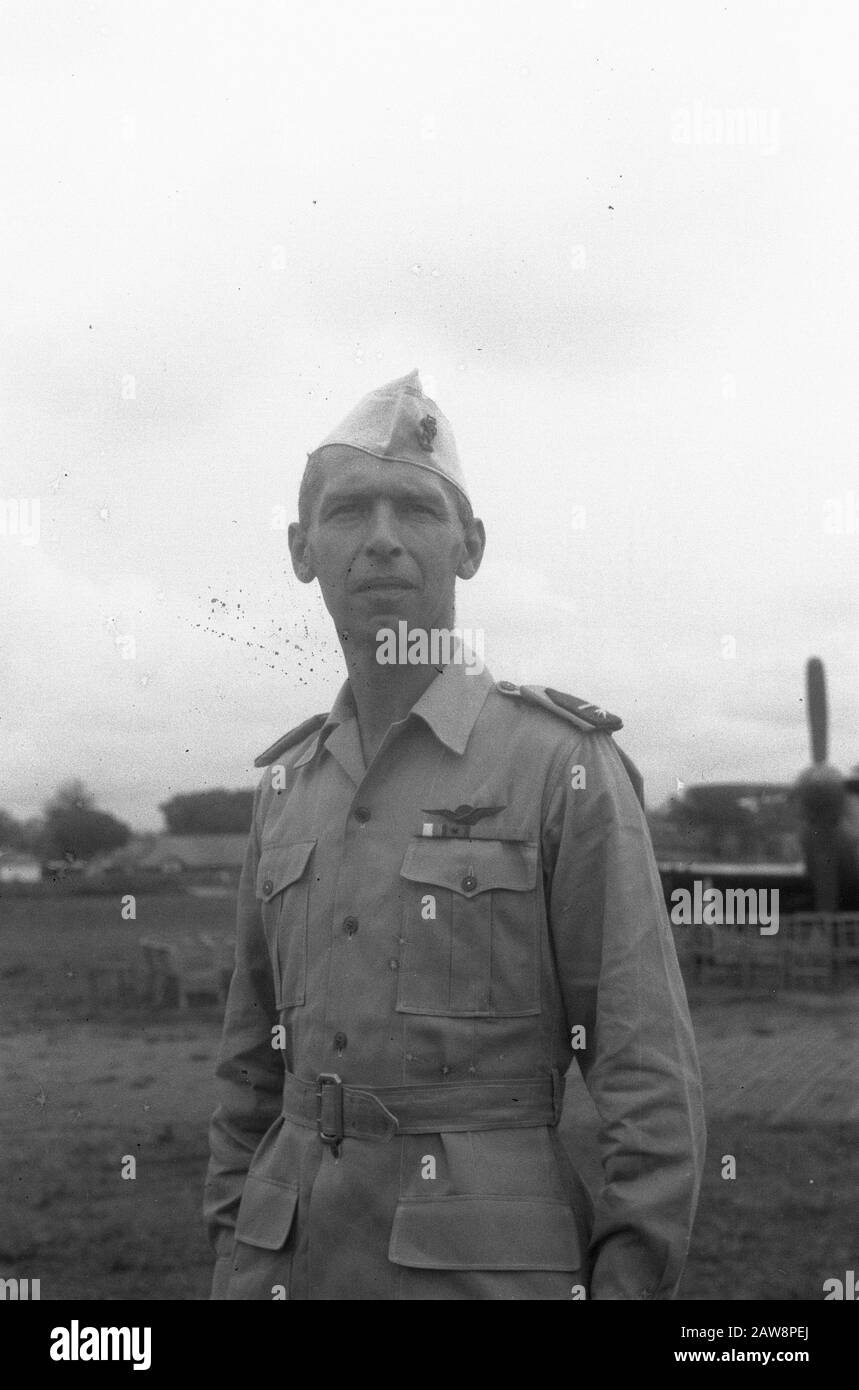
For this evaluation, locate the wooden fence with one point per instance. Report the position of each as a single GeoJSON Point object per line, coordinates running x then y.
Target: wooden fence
{"type": "Point", "coordinates": [810, 950]}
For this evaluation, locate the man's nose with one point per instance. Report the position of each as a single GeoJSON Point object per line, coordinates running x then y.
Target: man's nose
{"type": "Point", "coordinates": [382, 534]}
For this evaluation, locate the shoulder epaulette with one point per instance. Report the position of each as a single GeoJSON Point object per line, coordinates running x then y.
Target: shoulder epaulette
{"type": "Point", "coordinates": [582, 715]}
{"type": "Point", "coordinates": [289, 740]}
{"type": "Point", "coordinates": [579, 712]}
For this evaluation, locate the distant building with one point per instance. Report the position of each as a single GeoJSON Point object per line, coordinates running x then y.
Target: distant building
{"type": "Point", "coordinates": [19, 867]}
{"type": "Point", "coordinates": [113, 862]}
{"type": "Point", "coordinates": [177, 854]}
{"type": "Point", "coordinates": [59, 869]}
{"type": "Point", "coordinates": [754, 821]}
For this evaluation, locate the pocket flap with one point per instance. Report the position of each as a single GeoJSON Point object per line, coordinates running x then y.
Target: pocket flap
{"type": "Point", "coordinates": [281, 865]}
{"type": "Point", "coordinates": [484, 1233]}
{"type": "Point", "coordinates": [472, 866]}
{"type": "Point", "coordinates": [265, 1213]}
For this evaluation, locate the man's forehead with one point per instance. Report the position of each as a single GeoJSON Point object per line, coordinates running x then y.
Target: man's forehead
{"type": "Point", "coordinates": [344, 470]}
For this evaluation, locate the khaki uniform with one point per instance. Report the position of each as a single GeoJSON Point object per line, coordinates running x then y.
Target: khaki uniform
{"type": "Point", "coordinates": [437, 930]}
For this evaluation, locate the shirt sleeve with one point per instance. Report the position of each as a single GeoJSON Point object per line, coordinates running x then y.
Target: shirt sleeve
{"type": "Point", "coordinates": [620, 980]}
{"type": "Point", "coordinates": [249, 1069]}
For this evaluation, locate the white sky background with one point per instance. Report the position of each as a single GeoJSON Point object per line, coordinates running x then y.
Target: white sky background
{"type": "Point", "coordinates": [260, 212]}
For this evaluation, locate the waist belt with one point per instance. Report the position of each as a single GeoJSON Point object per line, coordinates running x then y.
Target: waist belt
{"type": "Point", "coordinates": [336, 1111]}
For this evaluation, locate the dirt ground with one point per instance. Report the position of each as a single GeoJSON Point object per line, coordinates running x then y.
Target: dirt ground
{"type": "Point", "coordinates": [91, 1079]}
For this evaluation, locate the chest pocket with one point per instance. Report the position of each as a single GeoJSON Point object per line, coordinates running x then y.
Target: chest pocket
{"type": "Point", "coordinates": [283, 886]}
{"type": "Point", "coordinates": [470, 929]}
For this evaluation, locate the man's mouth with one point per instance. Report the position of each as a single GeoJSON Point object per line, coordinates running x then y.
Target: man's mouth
{"type": "Point", "coordinates": [372, 585]}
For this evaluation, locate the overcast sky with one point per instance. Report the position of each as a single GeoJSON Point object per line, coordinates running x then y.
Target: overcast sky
{"type": "Point", "coordinates": [618, 240]}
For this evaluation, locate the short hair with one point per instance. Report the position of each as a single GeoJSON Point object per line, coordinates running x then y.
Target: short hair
{"type": "Point", "coordinates": [311, 482]}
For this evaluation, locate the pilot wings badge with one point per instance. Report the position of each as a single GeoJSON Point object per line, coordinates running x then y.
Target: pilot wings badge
{"type": "Point", "coordinates": [456, 824]}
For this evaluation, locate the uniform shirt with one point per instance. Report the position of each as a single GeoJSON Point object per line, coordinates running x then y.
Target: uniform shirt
{"type": "Point", "coordinates": [393, 955]}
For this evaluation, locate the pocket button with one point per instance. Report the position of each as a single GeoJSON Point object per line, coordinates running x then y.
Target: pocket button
{"type": "Point", "coordinates": [469, 883]}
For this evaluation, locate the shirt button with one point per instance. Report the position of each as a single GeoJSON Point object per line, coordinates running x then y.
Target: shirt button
{"type": "Point", "coordinates": [350, 925]}
{"type": "Point", "coordinates": [362, 814]}
{"type": "Point", "coordinates": [267, 886]}
{"type": "Point", "coordinates": [393, 964]}
{"type": "Point", "coordinates": [340, 1041]}
{"type": "Point", "coordinates": [469, 883]}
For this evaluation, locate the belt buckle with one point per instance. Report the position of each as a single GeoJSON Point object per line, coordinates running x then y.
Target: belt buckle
{"type": "Point", "coordinates": [329, 1110]}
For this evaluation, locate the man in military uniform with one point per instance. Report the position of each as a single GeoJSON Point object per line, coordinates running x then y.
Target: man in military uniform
{"type": "Point", "coordinates": [449, 893]}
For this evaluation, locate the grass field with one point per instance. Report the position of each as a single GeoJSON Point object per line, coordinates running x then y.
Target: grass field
{"type": "Point", "coordinates": [86, 1084]}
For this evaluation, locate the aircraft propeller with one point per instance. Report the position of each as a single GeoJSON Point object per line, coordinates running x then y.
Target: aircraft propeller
{"type": "Point", "coordinates": [822, 796]}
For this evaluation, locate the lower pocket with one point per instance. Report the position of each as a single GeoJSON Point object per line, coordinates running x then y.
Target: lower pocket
{"type": "Point", "coordinates": [262, 1260]}
{"type": "Point", "coordinates": [479, 1247]}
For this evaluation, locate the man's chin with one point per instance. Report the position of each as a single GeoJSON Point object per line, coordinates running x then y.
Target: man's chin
{"type": "Point", "coordinates": [382, 616]}
{"type": "Point", "coordinates": [382, 610]}
{"type": "Point", "coordinates": [386, 627]}
{"type": "Point", "coordinates": [369, 629]}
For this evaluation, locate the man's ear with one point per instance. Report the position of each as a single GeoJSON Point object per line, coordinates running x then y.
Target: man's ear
{"type": "Point", "coordinates": [301, 561]}
{"type": "Point", "coordinates": [474, 544]}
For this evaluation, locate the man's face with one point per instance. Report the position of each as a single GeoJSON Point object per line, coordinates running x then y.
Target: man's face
{"type": "Point", "coordinates": [385, 542]}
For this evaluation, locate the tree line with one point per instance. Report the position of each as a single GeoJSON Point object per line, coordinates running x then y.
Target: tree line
{"type": "Point", "coordinates": [715, 818]}
{"type": "Point", "coordinates": [72, 827]}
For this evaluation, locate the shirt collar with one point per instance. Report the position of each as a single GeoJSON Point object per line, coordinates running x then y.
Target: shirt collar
{"type": "Point", "coordinates": [449, 706]}
{"type": "Point", "coordinates": [342, 709]}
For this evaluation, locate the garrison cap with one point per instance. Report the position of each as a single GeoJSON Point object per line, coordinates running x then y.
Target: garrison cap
{"type": "Point", "coordinates": [398, 422]}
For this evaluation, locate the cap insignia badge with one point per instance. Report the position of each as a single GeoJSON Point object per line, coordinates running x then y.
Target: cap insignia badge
{"type": "Point", "coordinates": [427, 431]}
